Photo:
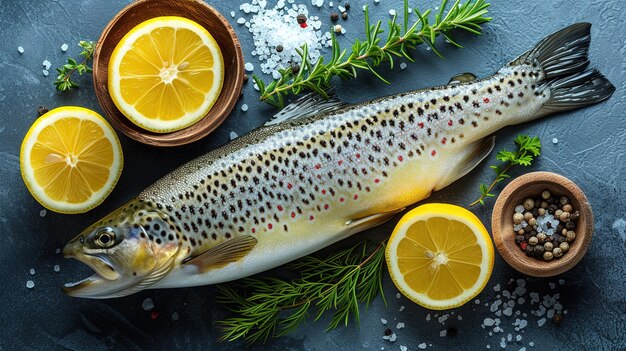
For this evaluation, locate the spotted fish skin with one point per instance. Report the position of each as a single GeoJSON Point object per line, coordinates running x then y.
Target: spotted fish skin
{"type": "Point", "coordinates": [303, 184]}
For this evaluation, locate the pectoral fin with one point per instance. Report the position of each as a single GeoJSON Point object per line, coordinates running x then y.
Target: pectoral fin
{"type": "Point", "coordinates": [370, 221]}
{"type": "Point", "coordinates": [462, 78]}
{"type": "Point", "coordinates": [466, 161]}
{"type": "Point", "coordinates": [227, 252]}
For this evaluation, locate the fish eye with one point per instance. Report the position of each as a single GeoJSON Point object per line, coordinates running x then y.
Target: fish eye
{"type": "Point", "coordinates": [105, 237]}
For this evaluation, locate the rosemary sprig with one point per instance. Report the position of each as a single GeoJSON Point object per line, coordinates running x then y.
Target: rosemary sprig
{"type": "Point", "coordinates": [271, 307]}
{"type": "Point", "coordinates": [369, 53]}
{"type": "Point", "coordinates": [64, 79]}
{"type": "Point", "coordinates": [527, 149]}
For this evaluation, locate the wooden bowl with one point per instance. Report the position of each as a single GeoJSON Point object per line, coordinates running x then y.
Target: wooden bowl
{"type": "Point", "coordinates": [531, 185]}
{"type": "Point", "coordinates": [198, 11]}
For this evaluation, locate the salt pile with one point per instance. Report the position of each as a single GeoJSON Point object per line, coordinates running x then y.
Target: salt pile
{"type": "Point", "coordinates": [278, 26]}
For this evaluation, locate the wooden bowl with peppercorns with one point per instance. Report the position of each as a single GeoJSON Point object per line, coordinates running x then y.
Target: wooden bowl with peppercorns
{"type": "Point", "coordinates": [530, 225]}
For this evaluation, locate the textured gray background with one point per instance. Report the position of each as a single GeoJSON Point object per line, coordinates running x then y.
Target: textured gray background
{"type": "Point", "coordinates": [590, 151]}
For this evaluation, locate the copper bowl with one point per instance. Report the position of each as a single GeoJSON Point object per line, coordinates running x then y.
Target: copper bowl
{"type": "Point", "coordinates": [195, 10]}
{"type": "Point", "coordinates": [530, 186]}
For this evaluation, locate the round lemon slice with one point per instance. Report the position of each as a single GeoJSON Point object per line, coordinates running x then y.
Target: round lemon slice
{"type": "Point", "coordinates": [440, 256]}
{"type": "Point", "coordinates": [70, 159]}
{"type": "Point", "coordinates": [166, 73]}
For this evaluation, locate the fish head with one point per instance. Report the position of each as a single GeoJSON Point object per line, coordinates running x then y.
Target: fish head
{"type": "Point", "coordinates": [129, 250]}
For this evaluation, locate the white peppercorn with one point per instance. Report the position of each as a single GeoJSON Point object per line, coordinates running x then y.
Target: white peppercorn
{"type": "Point", "coordinates": [528, 216]}
{"type": "Point", "coordinates": [532, 222]}
{"type": "Point", "coordinates": [557, 252]}
{"type": "Point", "coordinates": [547, 256]}
{"type": "Point", "coordinates": [567, 208]}
{"type": "Point", "coordinates": [517, 218]}
{"type": "Point", "coordinates": [542, 238]}
{"type": "Point", "coordinates": [564, 246]}
{"type": "Point", "coordinates": [529, 204]}
{"type": "Point", "coordinates": [542, 211]}
{"type": "Point", "coordinates": [533, 240]}
{"type": "Point", "coordinates": [570, 236]}
{"type": "Point", "coordinates": [564, 216]}
{"type": "Point", "coordinates": [548, 246]}
{"type": "Point", "coordinates": [545, 195]}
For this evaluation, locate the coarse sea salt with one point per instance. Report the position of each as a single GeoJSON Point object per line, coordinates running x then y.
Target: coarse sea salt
{"type": "Point", "coordinates": [147, 304]}
{"type": "Point", "coordinates": [30, 284]}
{"type": "Point", "coordinates": [244, 107]}
{"type": "Point", "coordinates": [32, 271]}
{"type": "Point", "coordinates": [233, 135]}
{"type": "Point", "coordinates": [422, 346]}
{"type": "Point", "coordinates": [271, 27]}
{"type": "Point", "coordinates": [64, 47]}
{"type": "Point", "coordinates": [42, 213]}
{"type": "Point", "coordinates": [57, 268]}
{"type": "Point", "coordinates": [20, 49]}
{"type": "Point", "coordinates": [402, 65]}
{"type": "Point", "coordinates": [403, 348]}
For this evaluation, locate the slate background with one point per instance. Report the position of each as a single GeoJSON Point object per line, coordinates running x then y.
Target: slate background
{"type": "Point", "coordinates": [590, 151]}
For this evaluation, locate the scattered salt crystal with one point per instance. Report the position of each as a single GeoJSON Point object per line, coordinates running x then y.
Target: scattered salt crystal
{"type": "Point", "coordinates": [521, 301]}
{"type": "Point", "coordinates": [495, 305]}
{"type": "Point", "coordinates": [392, 12]}
{"type": "Point", "coordinates": [57, 251]}
{"type": "Point", "coordinates": [428, 48]}
{"type": "Point", "coordinates": [503, 343]}
{"type": "Point", "coordinates": [519, 209]}
{"type": "Point", "coordinates": [47, 64]}
{"type": "Point", "coordinates": [555, 140]}
{"type": "Point", "coordinates": [401, 308]}
{"type": "Point", "coordinates": [459, 317]}
{"type": "Point", "coordinates": [241, 20]}
{"type": "Point", "coordinates": [45, 72]}
{"type": "Point", "coordinates": [428, 317]}
{"type": "Point", "coordinates": [398, 295]}
{"type": "Point", "coordinates": [402, 65]}
{"type": "Point", "coordinates": [477, 301]}
{"type": "Point", "coordinates": [20, 49]}
{"type": "Point", "coordinates": [443, 333]}
{"type": "Point", "coordinates": [509, 337]}
{"type": "Point", "coordinates": [561, 281]}
{"type": "Point", "coordinates": [518, 338]}
{"type": "Point", "coordinates": [249, 67]}
{"type": "Point", "coordinates": [256, 87]}
{"type": "Point", "coordinates": [175, 316]}
{"type": "Point", "coordinates": [400, 325]}
{"type": "Point", "coordinates": [343, 31]}
{"type": "Point", "coordinates": [330, 4]}
{"type": "Point", "coordinates": [364, 8]}
{"type": "Point", "coordinates": [393, 337]}
{"type": "Point", "coordinates": [443, 318]}
{"type": "Point", "coordinates": [147, 304]}
{"type": "Point", "coordinates": [522, 349]}
{"type": "Point", "coordinates": [341, 8]}
{"type": "Point", "coordinates": [32, 271]}
{"type": "Point", "coordinates": [534, 297]}
{"type": "Point", "coordinates": [376, 1]}
{"type": "Point", "coordinates": [64, 47]}
{"type": "Point", "coordinates": [57, 268]}
{"type": "Point", "coordinates": [422, 346]}
{"type": "Point", "coordinates": [496, 288]}
{"type": "Point", "coordinates": [30, 284]}
{"type": "Point", "coordinates": [488, 322]}
{"type": "Point", "coordinates": [42, 213]}
{"type": "Point", "coordinates": [508, 311]}
{"type": "Point", "coordinates": [552, 285]}
{"type": "Point", "coordinates": [383, 321]}
{"type": "Point", "coordinates": [558, 306]}
{"type": "Point", "coordinates": [541, 322]}
{"type": "Point", "coordinates": [244, 107]}
{"type": "Point", "coordinates": [233, 136]}
{"type": "Point", "coordinates": [403, 348]}
{"type": "Point", "coordinates": [232, 14]}
{"type": "Point", "coordinates": [498, 313]}
{"type": "Point", "coordinates": [517, 227]}
{"type": "Point", "coordinates": [531, 344]}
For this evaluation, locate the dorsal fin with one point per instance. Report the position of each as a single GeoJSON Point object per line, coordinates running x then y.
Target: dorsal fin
{"type": "Point", "coordinates": [462, 78]}
{"type": "Point", "coordinates": [229, 251]}
{"type": "Point", "coordinates": [308, 105]}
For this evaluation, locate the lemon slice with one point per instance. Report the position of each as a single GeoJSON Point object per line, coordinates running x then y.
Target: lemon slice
{"type": "Point", "coordinates": [70, 159]}
{"type": "Point", "coordinates": [440, 256]}
{"type": "Point", "coordinates": [166, 74]}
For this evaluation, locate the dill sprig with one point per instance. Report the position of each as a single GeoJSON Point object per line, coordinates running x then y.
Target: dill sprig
{"type": "Point", "coordinates": [271, 307]}
{"type": "Point", "coordinates": [369, 53]}
{"type": "Point", "coordinates": [64, 79]}
{"type": "Point", "coordinates": [527, 149]}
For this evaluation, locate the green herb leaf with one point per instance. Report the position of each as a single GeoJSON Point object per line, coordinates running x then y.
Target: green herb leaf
{"type": "Point", "coordinates": [63, 81]}
{"type": "Point", "coordinates": [527, 149]}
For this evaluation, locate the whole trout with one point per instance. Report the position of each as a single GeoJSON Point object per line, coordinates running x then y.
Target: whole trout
{"type": "Point", "coordinates": [321, 171]}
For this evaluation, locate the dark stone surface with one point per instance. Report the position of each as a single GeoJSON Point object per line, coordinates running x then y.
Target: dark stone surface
{"type": "Point", "coordinates": [590, 151]}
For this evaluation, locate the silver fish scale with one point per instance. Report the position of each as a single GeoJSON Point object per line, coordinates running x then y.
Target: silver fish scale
{"type": "Point", "coordinates": [307, 169]}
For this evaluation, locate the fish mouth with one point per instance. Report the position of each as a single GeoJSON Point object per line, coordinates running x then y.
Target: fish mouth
{"type": "Point", "coordinates": [101, 284]}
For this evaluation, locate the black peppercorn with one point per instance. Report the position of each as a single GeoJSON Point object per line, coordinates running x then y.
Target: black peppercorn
{"type": "Point", "coordinates": [538, 251]}
{"type": "Point", "coordinates": [452, 331]}
{"type": "Point", "coordinates": [520, 238]}
{"type": "Point", "coordinates": [570, 225]}
{"type": "Point", "coordinates": [279, 48]}
{"type": "Point", "coordinates": [529, 250]}
{"type": "Point", "coordinates": [559, 228]}
{"type": "Point", "coordinates": [347, 6]}
{"type": "Point", "coordinates": [334, 16]}
{"type": "Point", "coordinates": [245, 78]}
{"type": "Point", "coordinates": [557, 319]}
{"type": "Point", "coordinates": [553, 207]}
{"type": "Point", "coordinates": [344, 15]}
{"type": "Point", "coordinates": [528, 229]}
{"type": "Point", "coordinates": [41, 110]}
{"type": "Point", "coordinates": [527, 236]}
{"type": "Point", "coordinates": [550, 200]}
{"type": "Point", "coordinates": [388, 332]}
{"type": "Point", "coordinates": [535, 212]}
{"type": "Point", "coordinates": [295, 68]}
{"type": "Point", "coordinates": [301, 18]}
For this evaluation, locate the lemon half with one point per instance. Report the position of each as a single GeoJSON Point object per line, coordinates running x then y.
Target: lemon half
{"type": "Point", "coordinates": [440, 256]}
{"type": "Point", "coordinates": [70, 159]}
{"type": "Point", "coordinates": [166, 74]}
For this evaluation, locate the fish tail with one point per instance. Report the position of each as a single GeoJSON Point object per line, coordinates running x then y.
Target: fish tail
{"type": "Point", "coordinates": [563, 58]}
